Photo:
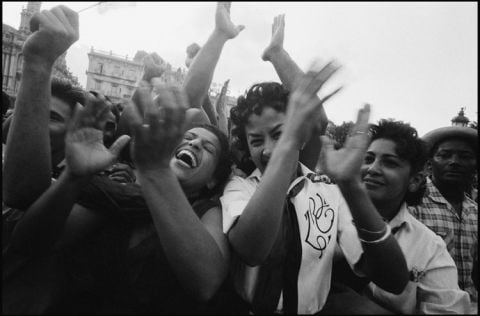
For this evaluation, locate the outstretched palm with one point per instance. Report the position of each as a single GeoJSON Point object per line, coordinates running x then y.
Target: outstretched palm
{"type": "Point", "coordinates": [223, 23]}
{"type": "Point", "coordinates": [85, 152]}
{"type": "Point", "coordinates": [344, 164]}
{"type": "Point", "coordinates": [278, 34]}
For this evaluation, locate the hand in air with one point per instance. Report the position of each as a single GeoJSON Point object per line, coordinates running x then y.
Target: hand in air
{"type": "Point", "coordinates": [304, 106]}
{"type": "Point", "coordinates": [85, 153]}
{"type": "Point", "coordinates": [160, 131]}
{"type": "Point", "coordinates": [278, 34]}
{"type": "Point", "coordinates": [223, 23]}
{"type": "Point", "coordinates": [344, 164]}
{"type": "Point", "coordinates": [54, 31]}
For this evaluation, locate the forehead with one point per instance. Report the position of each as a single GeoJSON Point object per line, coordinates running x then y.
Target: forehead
{"type": "Point", "coordinates": [383, 146]}
{"type": "Point", "coordinates": [60, 106]}
{"type": "Point", "coordinates": [267, 120]}
{"type": "Point", "coordinates": [456, 144]}
{"type": "Point", "coordinates": [205, 135]}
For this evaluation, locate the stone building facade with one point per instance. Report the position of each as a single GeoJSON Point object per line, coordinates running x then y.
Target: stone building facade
{"type": "Point", "coordinates": [12, 59]}
{"type": "Point", "coordinates": [113, 75]}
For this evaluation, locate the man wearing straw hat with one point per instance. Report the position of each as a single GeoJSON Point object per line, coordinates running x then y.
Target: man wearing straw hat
{"type": "Point", "coordinates": [446, 208]}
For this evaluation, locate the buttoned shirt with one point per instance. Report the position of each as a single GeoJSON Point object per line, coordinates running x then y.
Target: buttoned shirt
{"type": "Point", "coordinates": [323, 218]}
{"type": "Point", "coordinates": [458, 231]}
{"type": "Point", "coordinates": [433, 286]}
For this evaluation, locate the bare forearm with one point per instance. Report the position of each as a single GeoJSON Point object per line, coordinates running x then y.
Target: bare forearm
{"type": "Point", "coordinates": [44, 221]}
{"type": "Point", "coordinates": [256, 230]}
{"type": "Point", "coordinates": [288, 71]}
{"type": "Point", "coordinates": [223, 123]}
{"type": "Point", "coordinates": [384, 262]}
{"type": "Point", "coordinates": [25, 179]}
{"type": "Point", "coordinates": [209, 110]}
{"type": "Point", "coordinates": [195, 256]}
{"type": "Point", "coordinates": [200, 73]}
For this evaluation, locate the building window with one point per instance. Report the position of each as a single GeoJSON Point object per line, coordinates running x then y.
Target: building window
{"type": "Point", "coordinates": [100, 68]}
{"type": "Point", "coordinates": [116, 71]}
{"type": "Point", "coordinates": [98, 85]}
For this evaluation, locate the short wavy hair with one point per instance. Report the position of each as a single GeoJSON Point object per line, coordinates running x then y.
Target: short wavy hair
{"type": "Point", "coordinates": [67, 92]}
{"type": "Point", "coordinates": [408, 146]}
{"type": "Point", "coordinates": [257, 98]}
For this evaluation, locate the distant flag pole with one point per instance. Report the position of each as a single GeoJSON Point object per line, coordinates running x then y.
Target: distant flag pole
{"type": "Point", "coordinates": [93, 5]}
{"type": "Point", "coordinates": [104, 6]}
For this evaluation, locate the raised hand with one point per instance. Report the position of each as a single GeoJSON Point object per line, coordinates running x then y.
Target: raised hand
{"type": "Point", "coordinates": [85, 152]}
{"type": "Point", "coordinates": [55, 31]}
{"type": "Point", "coordinates": [304, 106]}
{"type": "Point", "coordinates": [278, 34]}
{"type": "Point", "coordinates": [223, 23]}
{"type": "Point", "coordinates": [159, 133]}
{"type": "Point", "coordinates": [220, 105]}
{"type": "Point", "coordinates": [153, 67]}
{"type": "Point", "coordinates": [344, 164]}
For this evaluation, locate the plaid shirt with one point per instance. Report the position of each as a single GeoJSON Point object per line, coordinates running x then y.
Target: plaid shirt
{"type": "Point", "coordinates": [460, 234]}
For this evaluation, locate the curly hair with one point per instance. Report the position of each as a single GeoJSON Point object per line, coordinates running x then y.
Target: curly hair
{"type": "Point", "coordinates": [67, 92]}
{"type": "Point", "coordinates": [258, 97]}
{"type": "Point", "coordinates": [408, 146]}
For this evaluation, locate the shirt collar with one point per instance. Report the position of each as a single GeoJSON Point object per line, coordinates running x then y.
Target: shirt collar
{"type": "Point", "coordinates": [301, 170]}
{"type": "Point", "coordinates": [435, 195]}
{"type": "Point", "coordinates": [401, 220]}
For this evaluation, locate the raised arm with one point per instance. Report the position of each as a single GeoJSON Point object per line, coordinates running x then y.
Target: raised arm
{"type": "Point", "coordinates": [288, 71]}
{"type": "Point", "coordinates": [201, 70]}
{"type": "Point", "coordinates": [25, 178]}
{"type": "Point", "coordinates": [383, 262]}
{"type": "Point", "coordinates": [43, 223]}
{"type": "Point", "coordinates": [196, 248]}
{"type": "Point", "coordinates": [254, 233]}
{"type": "Point", "coordinates": [220, 106]}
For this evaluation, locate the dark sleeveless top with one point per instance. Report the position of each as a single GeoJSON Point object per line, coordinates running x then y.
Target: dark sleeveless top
{"type": "Point", "coordinates": [113, 278]}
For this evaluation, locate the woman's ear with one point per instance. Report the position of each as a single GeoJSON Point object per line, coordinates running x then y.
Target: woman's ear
{"type": "Point", "coordinates": [416, 181]}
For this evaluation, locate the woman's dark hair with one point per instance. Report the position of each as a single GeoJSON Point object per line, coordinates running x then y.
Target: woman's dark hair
{"type": "Point", "coordinates": [222, 171]}
{"type": "Point", "coordinates": [67, 92]}
{"type": "Point", "coordinates": [408, 146]}
{"type": "Point", "coordinates": [258, 97]}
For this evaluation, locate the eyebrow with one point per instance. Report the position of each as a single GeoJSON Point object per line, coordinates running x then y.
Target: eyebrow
{"type": "Point", "coordinates": [385, 155]}
{"type": "Point", "coordinates": [203, 140]}
{"type": "Point", "coordinates": [273, 130]}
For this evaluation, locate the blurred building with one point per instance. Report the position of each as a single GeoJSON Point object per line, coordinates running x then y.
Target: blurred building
{"type": "Point", "coordinates": [113, 75]}
{"type": "Point", "coordinates": [12, 59]}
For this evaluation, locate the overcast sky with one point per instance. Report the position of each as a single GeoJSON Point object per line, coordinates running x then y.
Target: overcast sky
{"type": "Point", "coordinates": [413, 61]}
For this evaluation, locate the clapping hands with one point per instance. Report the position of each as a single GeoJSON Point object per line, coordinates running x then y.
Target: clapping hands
{"type": "Point", "coordinates": [344, 164]}
{"type": "Point", "coordinates": [85, 152]}
{"type": "Point", "coordinates": [223, 23]}
{"type": "Point", "coordinates": [160, 131]}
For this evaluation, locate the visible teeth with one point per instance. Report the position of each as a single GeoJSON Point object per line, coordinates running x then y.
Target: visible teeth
{"type": "Point", "coordinates": [187, 157]}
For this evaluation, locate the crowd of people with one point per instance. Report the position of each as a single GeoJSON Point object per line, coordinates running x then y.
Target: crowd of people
{"type": "Point", "coordinates": [166, 204]}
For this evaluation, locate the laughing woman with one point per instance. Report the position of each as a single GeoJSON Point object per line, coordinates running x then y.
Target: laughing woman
{"type": "Point", "coordinates": [153, 247]}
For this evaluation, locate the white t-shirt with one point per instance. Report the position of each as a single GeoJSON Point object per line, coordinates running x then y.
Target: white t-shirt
{"type": "Point", "coordinates": [323, 218]}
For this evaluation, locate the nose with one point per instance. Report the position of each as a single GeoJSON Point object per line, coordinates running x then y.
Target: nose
{"type": "Point", "coordinates": [268, 149]}
{"type": "Point", "coordinates": [195, 143]}
{"type": "Point", "coordinates": [454, 159]}
{"type": "Point", "coordinates": [374, 167]}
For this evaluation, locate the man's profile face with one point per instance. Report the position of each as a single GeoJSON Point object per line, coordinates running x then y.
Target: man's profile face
{"type": "Point", "coordinates": [453, 162]}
